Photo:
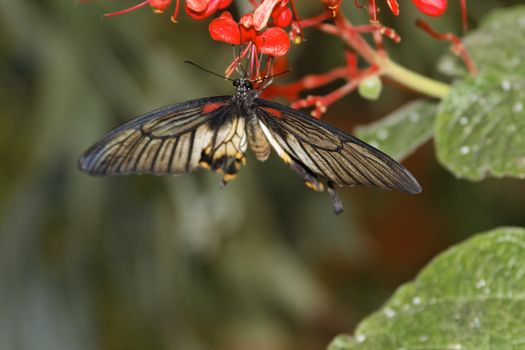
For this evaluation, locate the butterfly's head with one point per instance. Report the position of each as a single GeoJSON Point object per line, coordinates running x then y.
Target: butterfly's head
{"type": "Point", "coordinates": [242, 85]}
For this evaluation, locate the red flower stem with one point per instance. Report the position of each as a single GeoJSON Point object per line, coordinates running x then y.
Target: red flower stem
{"type": "Point", "coordinates": [312, 81]}
{"type": "Point", "coordinates": [464, 15]}
{"type": "Point", "coordinates": [175, 12]}
{"type": "Point", "coordinates": [345, 31]}
{"type": "Point", "coordinates": [378, 60]}
{"type": "Point", "coordinates": [458, 48]}
{"type": "Point", "coordinates": [322, 102]}
{"type": "Point", "coordinates": [297, 20]}
{"type": "Point", "coordinates": [316, 80]}
{"type": "Point", "coordinates": [373, 10]}
{"type": "Point", "coordinates": [133, 8]}
{"type": "Point", "coordinates": [387, 67]}
{"type": "Point", "coordinates": [237, 60]}
{"type": "Point", "coordinates": [371, 28]}
{"type": "Point", "coordinates": [378, 40]}
{"type": "Point", "coordinates": [269, 67]}
{"type": "Point", "coordinates": [314, 21]}
{"type": "Point", "coordinates": [254, 68]}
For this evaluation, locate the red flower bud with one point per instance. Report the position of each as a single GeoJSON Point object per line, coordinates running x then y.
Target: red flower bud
{"type": "Point", "coordinates": [431, 7]}
{"type": "Point", "coordinates": [200, 9]}
{"type": "Point", "coordinates": [159, 5]}
{"type": "Point", "coordinates": [282, 16]}
{"type": "Point", "coordinates": [197, 6]}
{"type": "Point", "coordinates": [246, 21]}
{"type": "Point", "coordinates": [394, 7]}
{"type": "Point", "coordinates": [332, 5]}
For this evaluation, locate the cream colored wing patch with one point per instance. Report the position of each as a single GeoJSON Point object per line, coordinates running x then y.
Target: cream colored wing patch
{"type": "Point", "coordinates": [276, 146]}
{"type": "Point", "coordinates": [173, 140]}
{"type": "Point", "coordinates": [225, 154]}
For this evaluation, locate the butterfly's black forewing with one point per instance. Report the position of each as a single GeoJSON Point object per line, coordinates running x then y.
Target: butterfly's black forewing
{"type": "Point", "coordinates": [330, 152]}
{"type": "Point", "coordinates": [170, 140]}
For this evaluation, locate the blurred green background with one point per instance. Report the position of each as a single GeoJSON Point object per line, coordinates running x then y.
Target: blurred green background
{"type": "Point", "coordinates": [179, 263]}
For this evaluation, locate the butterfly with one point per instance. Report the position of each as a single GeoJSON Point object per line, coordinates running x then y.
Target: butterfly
{"type": "Point", "coordinates": [215, 132]}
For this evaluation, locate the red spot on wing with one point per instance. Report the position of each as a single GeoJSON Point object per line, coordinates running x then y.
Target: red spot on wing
{"type": "Point", "coordinates": [274, 112]}
{"type": "Point", "coordinates": [210, 107]}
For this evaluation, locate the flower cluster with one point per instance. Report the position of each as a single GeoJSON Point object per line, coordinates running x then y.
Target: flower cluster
{"type": "Point", "coordinates": [196, 9]}
{"type": "Point", "coordinates": [253, 28]}
{"type": "Point", "coordinates": [267, 31]}
{"type": "Point", "coordinates": [261, 31]}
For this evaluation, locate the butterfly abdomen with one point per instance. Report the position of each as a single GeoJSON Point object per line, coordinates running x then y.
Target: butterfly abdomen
{"type": "Point", "coordinates": [257, 141]}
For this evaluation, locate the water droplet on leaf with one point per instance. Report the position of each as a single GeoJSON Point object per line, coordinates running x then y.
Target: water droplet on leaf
{"type": "Point", "coordinates": [464, 150]}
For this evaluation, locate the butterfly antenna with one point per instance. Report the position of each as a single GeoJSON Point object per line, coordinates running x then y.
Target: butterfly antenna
{"type": "Point", "coordinates": [270, 77]}
{"type": "Point", "coordinates": [207, 70]}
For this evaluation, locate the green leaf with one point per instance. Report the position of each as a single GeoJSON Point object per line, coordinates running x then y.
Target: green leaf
{"type": "Point", "coordinates": [497, 44]}
{"type": "Point", "coordinates": [480, 128]}
{"type": "Point", "coordinates": [470, 297]}
{"type": "Point", "coordinates": [402, 131]}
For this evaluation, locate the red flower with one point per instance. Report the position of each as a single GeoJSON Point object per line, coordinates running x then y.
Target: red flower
{"type": "Point", "coordinates": [200, 9]}
{"type": "Point", "coordinates": [394, 7]}
{"type": "Point", "coordinates": [196, 9]}
{"type": "Point", "coordinates": [273, 41]}
{"type": "Point", "coordinates": [431, 7]}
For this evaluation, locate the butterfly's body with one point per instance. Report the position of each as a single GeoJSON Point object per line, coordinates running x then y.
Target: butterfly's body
{"type": "Point", "coordinates": [245, 101]}
{"type": "Point", "coordinates": [214, 133]}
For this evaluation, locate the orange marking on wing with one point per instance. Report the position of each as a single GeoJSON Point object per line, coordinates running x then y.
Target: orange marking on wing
{"type": "Point", "coordinates": [210, 107]}
{"type": "Point", "coordinates": [274, 112]}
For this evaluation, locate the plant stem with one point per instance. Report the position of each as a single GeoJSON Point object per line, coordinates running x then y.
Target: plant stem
{"type": "Point", "coordinates": [414, 80]}
{"type": "Point", "coordinates": [417, 82]}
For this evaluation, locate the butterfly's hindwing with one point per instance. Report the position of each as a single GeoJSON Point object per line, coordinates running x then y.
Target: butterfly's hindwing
{"type": "Point", "coordinates": [172, 140]}
{"type": "Point", "coordinates": [329, 152]}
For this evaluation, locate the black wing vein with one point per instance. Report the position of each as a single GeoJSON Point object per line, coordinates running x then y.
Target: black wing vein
{"type": "Point", "coordinates": [339, 156]}
{"type": "Point", "coordinates": [175, 130]}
